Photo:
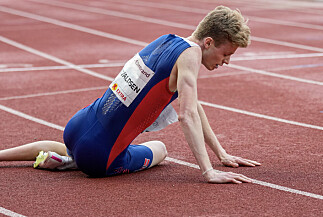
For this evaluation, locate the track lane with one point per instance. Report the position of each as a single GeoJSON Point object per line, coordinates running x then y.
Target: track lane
{"type": "Point", "coordinates": [232, 122]}
{"type": "Point", "coordinates": [229, 210]}
{"type": "Point", "coordinates": [296, 46]}
{"type": "Point", "coordinates": [164, 177]}
{"type": "Point", "coordinates": [191, 27]}
{"type": "Point", "coordinates": [261, 16]}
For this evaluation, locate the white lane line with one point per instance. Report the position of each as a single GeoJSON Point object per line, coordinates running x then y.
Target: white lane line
{"type": "Point", "coordinates": [114, 13]}
{"type": "Point", "coordinates": [15, 65]}
{"type": "Point", "coordinates": [204, 12]}
{"type": "Point", "coordinates": [260, 115]}
{"type": "Point", "coordinates": [266, 184]}
{"type": "Point", "coordinates": [278, 56]}
{"type": "Point", "coordinates": [48, 124]}
{"type": "Point", "coordinates": [286, 44]}
{"type": "Point", "coordinates": [308, 7]}
{"type": "Point", "coordinates": [163, 22]}
{"type": "Point", "coordinates": [55, 59]}
{"type": "Point", "coordinates": [31, 118]}
{"type": "Point", "coordinates": [286, 23]}
{"type": "Point", "coordinates": [222, 75]}
{"type": "Point", "coordinates": [53, 93]}
{"type": "Point", "coordinates": [282, 4]}
{"type": "Point", "coordinates": [71, 26]}
{"type": "Point", "coordinates": [274, 74]}
{"type": "Point", "coordinates": [42, 68]}
{"type": "Point", "coordinates": [297, 67]}
{"type": "Point", "coordinates": [121, 63]}
{"type": "Point", "coordinates": [10, 213]}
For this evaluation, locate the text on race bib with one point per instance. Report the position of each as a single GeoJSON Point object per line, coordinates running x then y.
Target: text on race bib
{"type": "Point", "coordinates": [131, 80]}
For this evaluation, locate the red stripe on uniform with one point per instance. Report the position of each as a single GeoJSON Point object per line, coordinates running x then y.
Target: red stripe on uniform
{"type": "Point", "coordinates": [156, 100]}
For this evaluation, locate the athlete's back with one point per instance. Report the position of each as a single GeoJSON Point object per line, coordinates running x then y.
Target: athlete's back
{"type": "Point", "coordinates": [132, 103]}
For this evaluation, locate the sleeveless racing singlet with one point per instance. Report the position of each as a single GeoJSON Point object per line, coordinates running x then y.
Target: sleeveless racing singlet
{"type": "Point", "coordinates": [139, 93]}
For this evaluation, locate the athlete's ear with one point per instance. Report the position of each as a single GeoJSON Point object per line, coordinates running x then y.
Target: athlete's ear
{"type": "Point", "coordinates": [207, 42]}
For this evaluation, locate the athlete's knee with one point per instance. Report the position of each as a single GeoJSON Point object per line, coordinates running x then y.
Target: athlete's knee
{"type": "Point", "coordinates": [158, 150]}
{"type": "Point", "coordinates": [162, 149]}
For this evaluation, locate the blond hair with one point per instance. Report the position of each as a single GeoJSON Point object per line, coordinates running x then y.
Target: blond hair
{"type": "Point", "coordinates": [223, 24]}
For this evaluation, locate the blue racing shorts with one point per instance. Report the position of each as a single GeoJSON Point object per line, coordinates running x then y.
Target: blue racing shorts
{"type": "Point", "coordinates": [89, 143]}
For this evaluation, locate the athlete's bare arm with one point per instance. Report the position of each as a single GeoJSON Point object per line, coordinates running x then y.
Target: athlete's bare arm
{"type": "Point", "coordinates": [214, 144]}
{"type": "Point", "coordinates": [188, 65]}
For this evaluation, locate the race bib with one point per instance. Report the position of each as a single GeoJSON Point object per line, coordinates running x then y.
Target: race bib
{"type": "Point", "coordinates": [131, 80]}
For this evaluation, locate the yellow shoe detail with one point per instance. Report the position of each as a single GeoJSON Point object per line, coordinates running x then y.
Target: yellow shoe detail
{"type": "Point", "coordinates": [42, 156]}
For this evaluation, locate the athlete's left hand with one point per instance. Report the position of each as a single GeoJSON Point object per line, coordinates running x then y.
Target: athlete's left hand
{"type": "Point", "coordinates": [233, 161]}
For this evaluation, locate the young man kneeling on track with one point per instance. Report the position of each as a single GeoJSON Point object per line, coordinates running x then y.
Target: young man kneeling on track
{"type": "Point", "coordinates": [98, 138]}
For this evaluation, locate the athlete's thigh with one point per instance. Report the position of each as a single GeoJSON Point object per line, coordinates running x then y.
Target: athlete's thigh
{"type": "Point", "coordinates": [138, 157]}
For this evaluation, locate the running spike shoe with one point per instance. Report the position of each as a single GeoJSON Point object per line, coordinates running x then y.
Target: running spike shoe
{"type": "Point", "coordinates": [48, 160]}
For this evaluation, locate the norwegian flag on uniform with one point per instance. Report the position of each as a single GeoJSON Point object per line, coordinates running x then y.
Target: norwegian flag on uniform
{"type": "Point", "coordinates": [146, 164]}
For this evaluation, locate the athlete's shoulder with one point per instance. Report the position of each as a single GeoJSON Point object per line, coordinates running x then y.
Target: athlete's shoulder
{"type": "Point", "coordinates": [192, 54]}
{"type": "Point", "coordinates": [190, 60]}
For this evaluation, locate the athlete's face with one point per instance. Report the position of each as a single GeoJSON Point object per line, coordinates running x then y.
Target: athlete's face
{"type": "Point", "coordinates": [213, 57]}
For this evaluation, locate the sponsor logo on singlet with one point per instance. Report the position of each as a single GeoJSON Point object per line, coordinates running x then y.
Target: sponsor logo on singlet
{"type": "Point", "coordinates": [131, 80]}
{"type": "Point", "coordinates": [114, 87]}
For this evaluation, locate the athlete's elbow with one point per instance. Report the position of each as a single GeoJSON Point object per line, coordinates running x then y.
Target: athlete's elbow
{"type": "Point", "coordinates": [188, 117]}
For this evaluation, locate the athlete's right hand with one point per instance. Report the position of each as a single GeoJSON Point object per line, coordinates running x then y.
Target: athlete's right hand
{"type": "Point", "coordinates": [225, 177]}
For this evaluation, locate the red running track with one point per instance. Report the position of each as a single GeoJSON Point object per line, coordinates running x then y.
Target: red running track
{"type": "Point", "coordinates": [41, 40]}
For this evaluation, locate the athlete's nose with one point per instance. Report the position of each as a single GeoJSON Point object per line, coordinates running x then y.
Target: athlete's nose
{"type": "Point", "coordinates": [226, 60]}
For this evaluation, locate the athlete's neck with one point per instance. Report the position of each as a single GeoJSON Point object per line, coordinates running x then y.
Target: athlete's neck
{"type": "Point", "coordinates": [195, 40]}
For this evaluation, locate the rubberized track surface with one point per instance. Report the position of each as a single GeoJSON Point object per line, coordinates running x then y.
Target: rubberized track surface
{"type": "Point", "coordinates": [58, 56]}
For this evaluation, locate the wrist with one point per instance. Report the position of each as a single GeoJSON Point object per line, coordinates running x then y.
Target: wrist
{"type": "Point", "coordinates": [222, 154]}
{"type": "Point", "coordinates": [206, 171]}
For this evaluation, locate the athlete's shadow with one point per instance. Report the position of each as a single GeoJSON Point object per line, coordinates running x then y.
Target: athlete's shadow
{"type": "Point", "coordinates": [160, 174]}
{"type": "Point", "coordinates": [8, 164]}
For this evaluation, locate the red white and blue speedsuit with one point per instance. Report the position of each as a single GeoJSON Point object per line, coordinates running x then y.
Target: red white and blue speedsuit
{"type": "Point", "coordinates": [99, 136]}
